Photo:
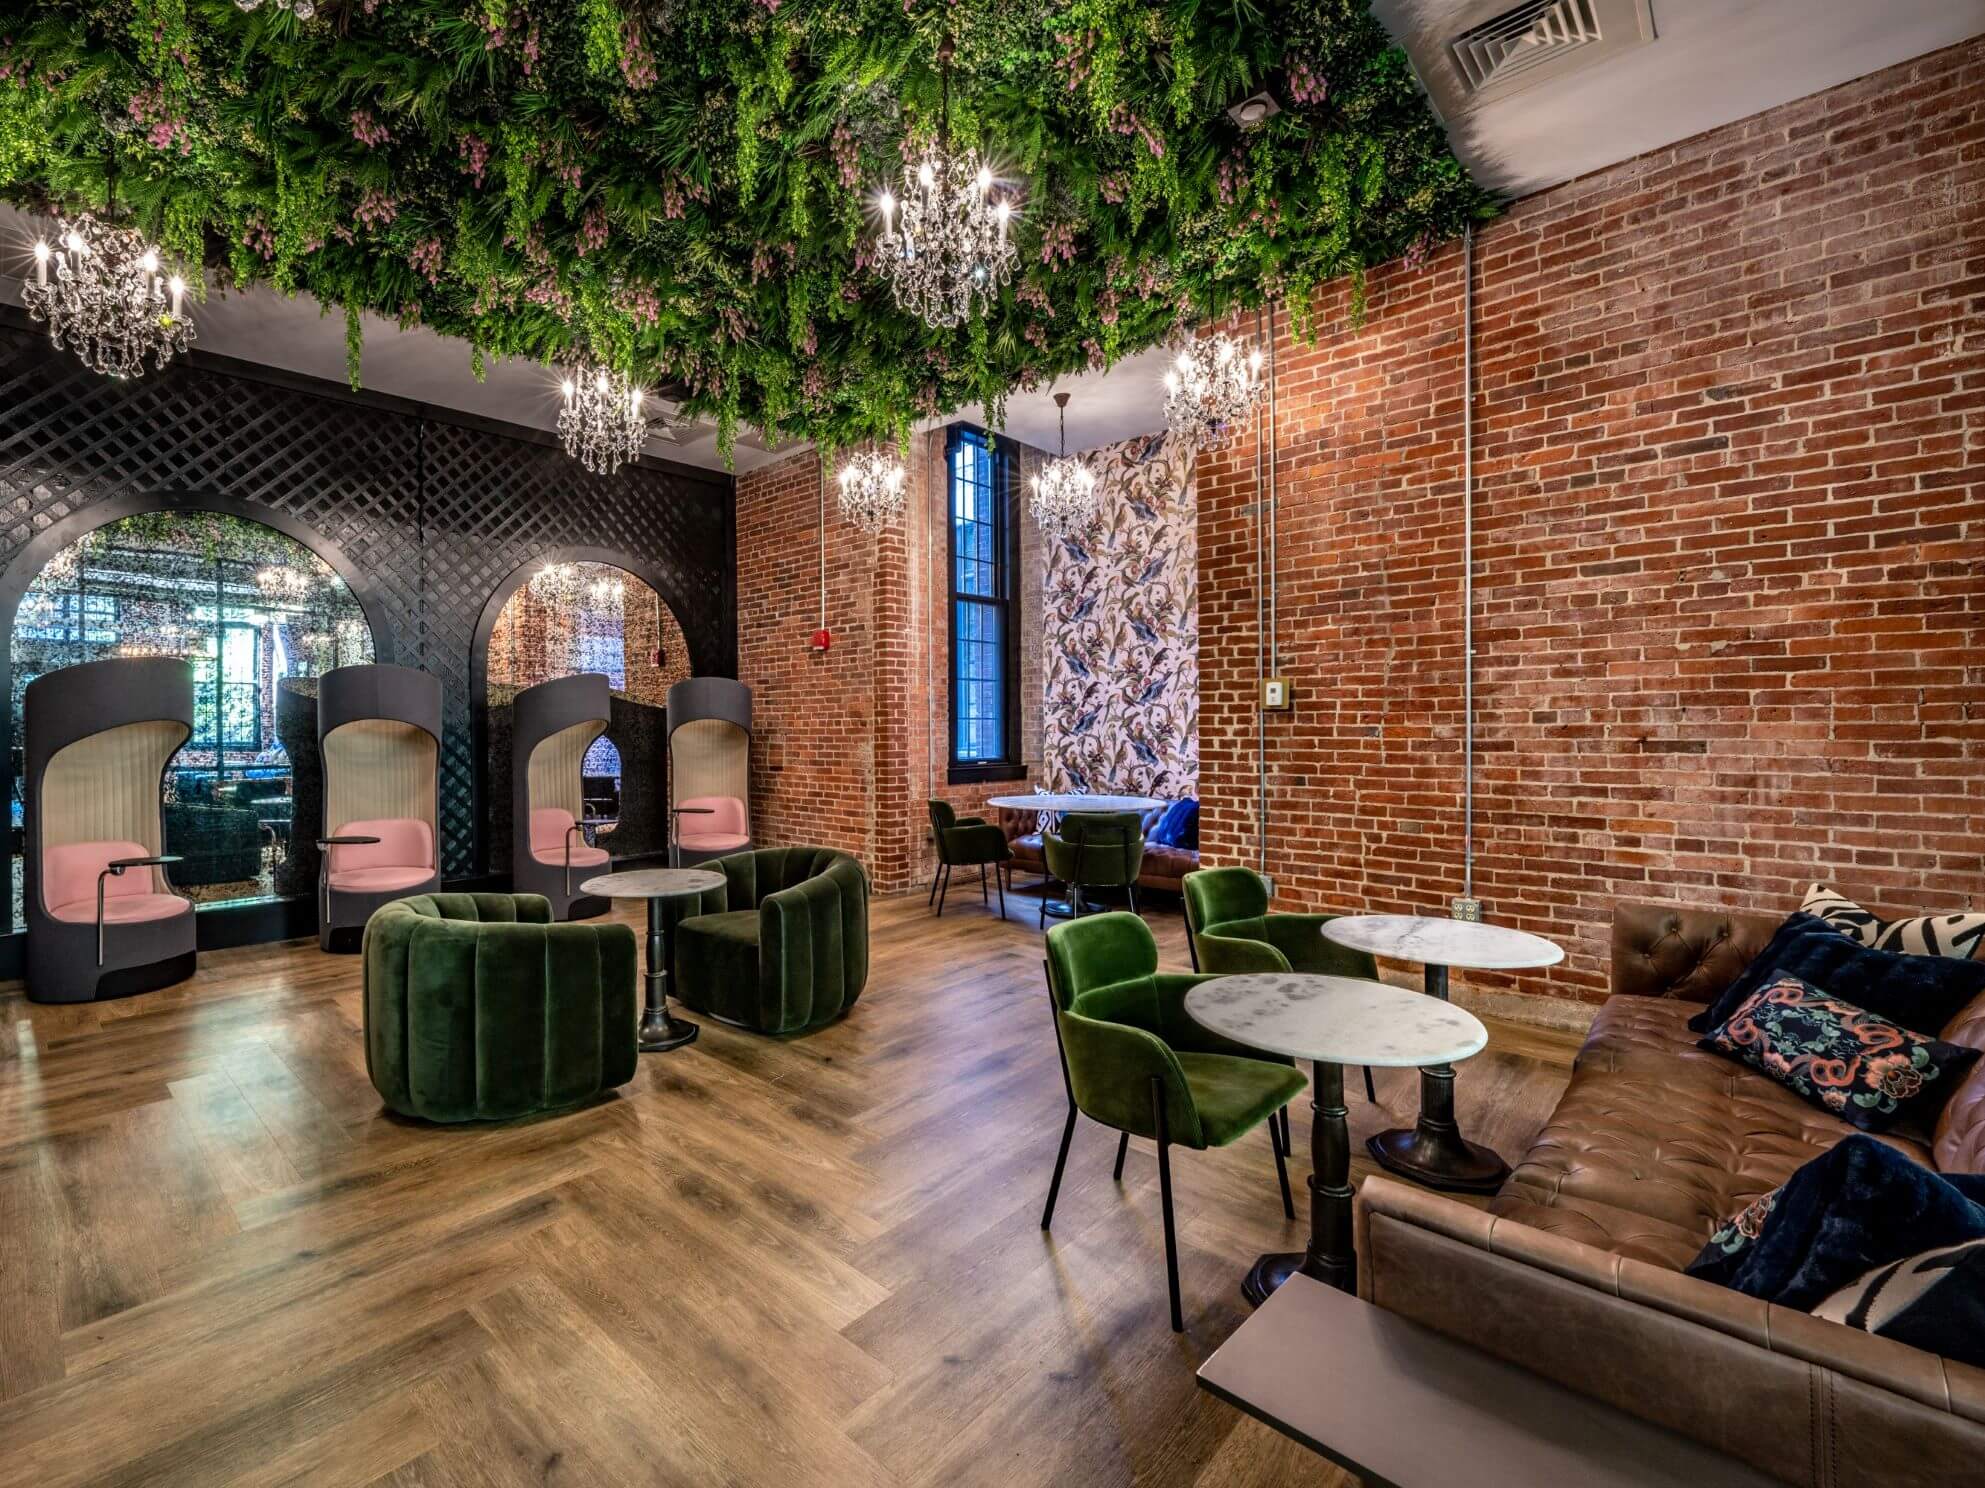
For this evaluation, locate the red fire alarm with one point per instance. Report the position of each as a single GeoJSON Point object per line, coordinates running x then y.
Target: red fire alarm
{"type": "Point", "coordinates": [822, 639]}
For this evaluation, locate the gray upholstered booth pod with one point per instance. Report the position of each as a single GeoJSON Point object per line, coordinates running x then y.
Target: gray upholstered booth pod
{"type": "Point", "coordinates": [552, 725]}
{"type": "Point", "coordinates": [709, 768]}
{"type": "Point", "coordinates": [379, 741]}
{"type": "Point", "coordinates": [102, 919]}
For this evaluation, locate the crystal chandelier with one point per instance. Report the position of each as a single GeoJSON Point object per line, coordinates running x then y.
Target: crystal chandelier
{"type": "Point", "coordinates": [282, 585]}
{"type": "Point", "coordinates": [944, 247]}
{"type": "Point", "coordinates": [871, 491]}
{"type": "Point", "coordinates": [303, 10]}
{"type": "Point", "coordinates": [1211, 389]}
{"type": "Point", "coordinates": [602, 423]}
{"type": "Point", "coordinates": [101, 293]}
{"type": "Point", "coordinates": [1065, 489]}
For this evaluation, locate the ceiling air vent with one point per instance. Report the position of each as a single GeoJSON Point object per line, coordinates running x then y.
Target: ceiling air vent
{"type": "Point", "coordinates": [1542, 39]}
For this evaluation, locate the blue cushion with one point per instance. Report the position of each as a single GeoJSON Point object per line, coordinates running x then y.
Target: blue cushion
{"type": "Point", "coordinates": [1920, 993]}
{"type": "Point", "coordinates": [1861, 1205]}
{"type": "Point", "coordinates": [1866, 1070]}
{"type": "Point", "coordinates": [1178, 827]}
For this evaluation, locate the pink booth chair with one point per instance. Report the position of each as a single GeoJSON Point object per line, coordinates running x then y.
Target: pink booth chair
{"type": "Point", "coordinates": [379, 736]}
{"type": "Point", "coordinates": [552, 726]}
{"type": "Point", "coordinates": [102, 918]}
{"type": "Point", "coordinates": [709, 768]}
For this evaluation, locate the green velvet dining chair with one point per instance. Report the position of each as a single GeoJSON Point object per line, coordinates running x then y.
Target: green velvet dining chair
{"type": "Point", "coordinates": [966, 842]}
{"type": "Point", "coordinates": [1230, 931]}
{"type": "Point", "coordinates": [1095, 850]}
{"type": "Point", "coordinates": [1133, 1059]}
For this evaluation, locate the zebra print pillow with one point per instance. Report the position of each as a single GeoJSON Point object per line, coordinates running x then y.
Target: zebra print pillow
{"type": "Point", "coordinates": [1961, 937]}
{"type": "Point", "coordinates": [1933, 1301]}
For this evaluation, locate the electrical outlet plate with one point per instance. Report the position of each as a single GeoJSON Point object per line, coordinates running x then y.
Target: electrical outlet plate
{"type": "Point", "coordinates": [1276, 695]}
{"type": "Point", "coordinates": [1466, 909]}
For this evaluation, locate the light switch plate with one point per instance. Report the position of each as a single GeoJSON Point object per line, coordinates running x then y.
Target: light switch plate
{"type": "Point", "coordinates": [1276, 695]}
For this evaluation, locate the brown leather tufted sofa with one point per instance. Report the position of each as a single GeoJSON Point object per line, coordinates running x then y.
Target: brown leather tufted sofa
{"type": "Point", "coordinates": [1574, 1271]}
{"type": "Point", "coordinates": [1164, 867]}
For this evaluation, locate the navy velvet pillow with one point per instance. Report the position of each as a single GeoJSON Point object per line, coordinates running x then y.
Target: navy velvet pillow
{"type": "Point", "coordinates": [1868, 1071]}
{"type": "Point", "coordinates": [1859, 1206]}
{"type": "Point", "coordinates": [1178, 827]}
{"type": "Point", "coordinates": [1920, 993]}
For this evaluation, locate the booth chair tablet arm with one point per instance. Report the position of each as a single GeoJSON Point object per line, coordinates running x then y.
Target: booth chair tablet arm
{"type": "Point", "coordinates": [324, 846]}
{"type": "Point", "coordinates": [115, 869]}
{"type": "Point", "coordinates": [580, 829]}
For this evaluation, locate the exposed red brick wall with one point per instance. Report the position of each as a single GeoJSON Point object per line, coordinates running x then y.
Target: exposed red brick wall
{"type": "Point", "coordinates": [1730, 542]}
{"type": "Point", "coordinates": [878, 697]}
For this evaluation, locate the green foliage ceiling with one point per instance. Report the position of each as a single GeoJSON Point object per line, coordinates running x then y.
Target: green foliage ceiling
{"type": "Point", "coordinates": [683, 189]}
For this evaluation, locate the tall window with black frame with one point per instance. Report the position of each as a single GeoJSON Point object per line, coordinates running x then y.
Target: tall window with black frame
{"type": "Point", "coordinates": [985, 743]}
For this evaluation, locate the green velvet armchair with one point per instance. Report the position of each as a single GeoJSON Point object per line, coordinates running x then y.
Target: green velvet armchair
{"type": "Point", "coordinates": [1095, 850]}
{"type": "Point", "coordinates": [478, 1007]}
{"type": "Point", "coordinates": [966, 842]}
{"type": "Point", "coordinates": [783, 946]}
{"type": "Point", "coordinates": [1230, 930]}
{"type": "Point", "coordinates": [1133, 1059]}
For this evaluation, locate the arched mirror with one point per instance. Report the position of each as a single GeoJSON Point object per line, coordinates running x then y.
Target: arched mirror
{"type": "Point", "coordinates": [247, 607]}
{"type": "Point", "coordinates": [571, 618]}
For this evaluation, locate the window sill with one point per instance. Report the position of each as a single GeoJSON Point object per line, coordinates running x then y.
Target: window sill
{"type": "Point", "coordinates": [983, 774]}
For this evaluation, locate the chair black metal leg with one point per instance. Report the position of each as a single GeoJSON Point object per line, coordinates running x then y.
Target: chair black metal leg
{"type": "Point", "coordinates": [1288, 1148]}
{"type": "Point", "coordinates": [1075, 901]}
{"type": "Point", "coordinates": [1165, 1199]}
{"type": "Point", "coordinates": [1371, 1092]}
{"type": "Point", "coordinates": [1281, 1171]}
{"type": "Point", "coordinates": [1192, 948]}
{"type": "Point", "coordinates": [983, 898]}
{"type": "Point", "coordinates": [1275, 1129]}
{"type": "Point", "coordinates": [935, 874]}
{"type": "Point", "coordinates": [1061, 1161]}
{"type": "Point", "coordinates": [999, 878]}
{"type": "Point", "coordinates": [943, 889]}
{"type": "Point", "coordinates": [1123, 1147]}
{"type": "Point", "coordinates": [1132, 889]}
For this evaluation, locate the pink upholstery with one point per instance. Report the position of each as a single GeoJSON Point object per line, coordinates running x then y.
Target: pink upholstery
{"type": "Point", "coordinates": [721, 831]}
{"type": "Point", "coordinates": [69, 875]}
{"type": "Point", "coordinates": [549, 824]}
{"type": "Point", "coordinates": [402, 858]}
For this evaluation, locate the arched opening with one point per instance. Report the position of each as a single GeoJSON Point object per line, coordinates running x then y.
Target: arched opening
{"type": "Point", "coordinates": [249, 608]}
{"type": "Point", "coordinates": [569, 618]}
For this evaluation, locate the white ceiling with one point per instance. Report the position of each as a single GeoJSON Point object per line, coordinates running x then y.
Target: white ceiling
{"type": "Point", "coordinates": [1712, 61]}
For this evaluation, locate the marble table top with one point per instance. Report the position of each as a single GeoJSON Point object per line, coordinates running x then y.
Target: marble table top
{"type": "Point", "coordinates": [653, 883]}
{"type": "Point", "coordinates": [1433, 941]}
{"type": "Point", "coordinates": [1044, 801]}
{"type": "Point", "coordinates": [1339, 1020]}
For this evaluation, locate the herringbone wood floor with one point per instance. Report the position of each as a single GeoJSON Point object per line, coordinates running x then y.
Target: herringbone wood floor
{"type": "Point", "coordinates": [813, 1261]}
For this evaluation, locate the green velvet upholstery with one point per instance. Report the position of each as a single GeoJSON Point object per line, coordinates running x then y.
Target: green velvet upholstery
{"type": "Point", "coordinates": [783, 946]}
{"type": "Point", "coordinates": [478, 1007]}
{"type": "Point", "coordinates": [1232, 930]}
{"type": "Point", "coordinates": [1096, 850]}
{"type": "Point", "coordinates": [1122, 1022]}
{"type": "Point", "coordinates": [1136, 1061]}
{"type": "Point", "coordinates": [965, 841]}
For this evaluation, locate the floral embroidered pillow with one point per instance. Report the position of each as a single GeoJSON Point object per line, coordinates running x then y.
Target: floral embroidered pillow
{"type": "Point", "coordinates": [1870, 1072]}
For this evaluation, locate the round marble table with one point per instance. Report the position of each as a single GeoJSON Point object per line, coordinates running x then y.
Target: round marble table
{"type": "Point", "coordinates": [1332, 1021]}
{"type": "Point", "coordinates": [1433, 1151]}
{"type": "Point", "coordinates": [659, 1031]}
{"type": "Point", "coordinates": [1048, 803]}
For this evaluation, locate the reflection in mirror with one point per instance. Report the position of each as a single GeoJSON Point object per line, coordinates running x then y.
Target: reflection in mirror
{"type": "Point", "coordinates": [249, 607]}
{"type": "Point", "coordinates": [569, 618]}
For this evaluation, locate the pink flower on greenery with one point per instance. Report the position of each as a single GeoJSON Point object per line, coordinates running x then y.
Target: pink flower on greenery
{"type": "Point", "coordinates": [637, 63]}
{"type": "Point", "coordinates": [1306, 84]}
{"type": "Point", "coordinates": [472, 150]}
{"type": "Point", "coordinates": [376, 208]}
{"type": "Point", "coordinates": [367, 130]}
{"type": "Point", "coordinates": [592, 230]}
{"type": "Point", "coordinates": [426, 258]}
{"type": "Point", "coordinates": [165, 128]}
{"type": "Point", "coordinates": [1057, 245]}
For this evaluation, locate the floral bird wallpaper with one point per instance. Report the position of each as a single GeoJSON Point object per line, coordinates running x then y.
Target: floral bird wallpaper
{"type": "Point", "coordinates": [1121, 648]}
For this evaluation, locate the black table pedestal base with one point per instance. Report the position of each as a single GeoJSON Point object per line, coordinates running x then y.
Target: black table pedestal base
{"type": "Point", "coordinates": [1330, 1257]}
{"type": "Point", "coordinates": [1271, 1270]}
{"type": "Point", "coordinates": [1433, 1151]}
{"type": "Point", "coordinates": [662, 1031]}
{"type": "Point", "coordinates": [1445, 1160]}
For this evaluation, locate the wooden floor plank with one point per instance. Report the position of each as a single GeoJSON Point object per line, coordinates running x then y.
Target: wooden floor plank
{"type": "Point", "coordinates": [783, 1261]}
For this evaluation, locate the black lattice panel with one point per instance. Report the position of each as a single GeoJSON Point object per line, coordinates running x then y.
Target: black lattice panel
{"type": "Point", "coordinates": [433, 515]}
